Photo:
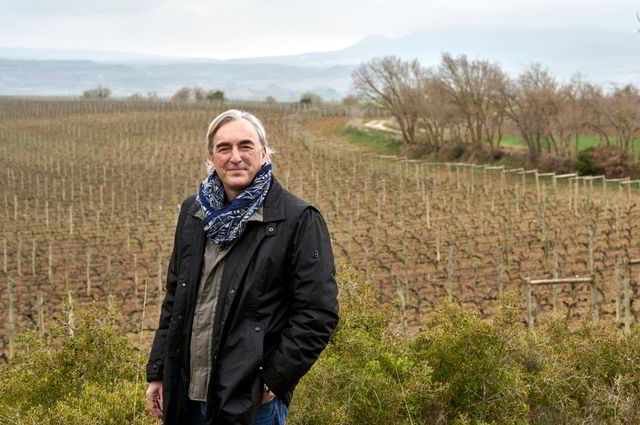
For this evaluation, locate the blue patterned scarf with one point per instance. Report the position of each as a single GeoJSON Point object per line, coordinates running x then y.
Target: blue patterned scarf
{"type": "Point", "coordinates": [223, 224]}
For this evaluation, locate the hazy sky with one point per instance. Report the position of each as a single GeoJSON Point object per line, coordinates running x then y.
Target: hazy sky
{"type": "Point", "coordinates": [242, 28]}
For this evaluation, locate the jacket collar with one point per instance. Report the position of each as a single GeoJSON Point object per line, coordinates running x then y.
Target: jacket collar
{"type": "Point", "coordinates": [272, 209]}
{"type": "Point", "coordinates": [274, 203]}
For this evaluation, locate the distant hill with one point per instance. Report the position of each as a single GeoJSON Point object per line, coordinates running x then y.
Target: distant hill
{"type": "Point", "coordinates": [603, 56]}
{"type": "Point", "coordinates": [239, 81]}
{"type": "Point", "coordinates": [76, 54]}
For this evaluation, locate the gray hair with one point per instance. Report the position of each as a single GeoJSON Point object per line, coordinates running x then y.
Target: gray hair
{"type": "Point", "coordinates": [235, 115]}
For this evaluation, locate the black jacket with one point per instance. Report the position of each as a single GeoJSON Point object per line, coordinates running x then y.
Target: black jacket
{"type": "Point", "coordinates": [276, 311]}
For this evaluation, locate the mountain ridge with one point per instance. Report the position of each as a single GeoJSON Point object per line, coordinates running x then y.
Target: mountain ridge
{"type": "Point", "coordinates": [603, 56]}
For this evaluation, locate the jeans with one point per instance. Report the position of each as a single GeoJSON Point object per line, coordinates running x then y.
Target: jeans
{"type": "Point", "coordinates": [273, 413]}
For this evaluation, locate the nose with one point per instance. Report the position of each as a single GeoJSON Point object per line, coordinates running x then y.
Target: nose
{"type": "Point", "coordinates": [235, 154]}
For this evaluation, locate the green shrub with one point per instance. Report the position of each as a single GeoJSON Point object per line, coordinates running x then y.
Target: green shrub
{"type": "Point", "coordinates": [458, 151]}
{"type": "Point", "coordinates": [366, 375]}
{"type": "Point", "coordinates": [478, 363]}
{"type": "Point", "coordinates": [460, 370]}
{"type": "Point", "coordinates": [590, 375]}
{"type": "Point", "coordinates": [85, 373]}
{"type": "Point", "coordinates": [586, 164]}
{"type": "Point", "coordinates": [99, 92]}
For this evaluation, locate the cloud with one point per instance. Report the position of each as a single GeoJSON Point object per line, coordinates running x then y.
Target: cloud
{"type": "Point", "coordinates": [39, 8]}
{"type": "Point", "coordinates": [241, 28]}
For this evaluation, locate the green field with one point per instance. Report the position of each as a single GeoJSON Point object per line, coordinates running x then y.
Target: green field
{"type": "Point", "coordinates": [379, 141]}
{"type": "Point", "coordinates": [584, 142]}
{"type": "Point", "coordinates": [387, 143]}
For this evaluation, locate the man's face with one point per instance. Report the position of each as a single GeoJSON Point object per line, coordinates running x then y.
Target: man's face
{"type": "Point", "coordinates": [237, 155]}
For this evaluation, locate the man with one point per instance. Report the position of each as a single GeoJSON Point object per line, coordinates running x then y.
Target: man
{"type": "Point", "coordinates": [251, 296]}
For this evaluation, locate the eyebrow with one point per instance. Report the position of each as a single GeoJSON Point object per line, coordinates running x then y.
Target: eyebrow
{"type": "Point", "coordinates": [227, 143]}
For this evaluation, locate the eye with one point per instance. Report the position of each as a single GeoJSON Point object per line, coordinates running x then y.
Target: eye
{"type": "Point", "coordinates": [246, 146]}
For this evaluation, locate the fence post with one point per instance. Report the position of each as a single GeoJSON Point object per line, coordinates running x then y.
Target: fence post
{"type": "Point", "coordinates": [555, 276]}
{"type": "Point", "coordinates": [88, 272]}
{"type": "Point", "coordinates": [501, 267]}
{"type": "Point", "coordinates": [594, 299]}
{"type": "Point", "coordinates": [450, 272]}
{"type": "Point", "coordinates": [594, 281]}
{"type": "Point", "coordinates": [576, 198]}
{"type": "Point", "coordinates": [10, 321]}
{"type": "Point", "coordinates": [135, 273]}
{"type": "Point", "coordinates": [4, 255]}
{"type": "Point", "coordinates": [41, 327]}
{"type": "Point", "coordinates": [628, 317]}
{"type": "Point", "coordinates": [529, 296]}
{"type": "Point", "coordinates": [19, 258]}
{"type": "Point", "coordinates": [438, 245]}
{"type": "Point", "coordinates": [619, 289]}
{"type": "Point", "coordinates": [627, 299]}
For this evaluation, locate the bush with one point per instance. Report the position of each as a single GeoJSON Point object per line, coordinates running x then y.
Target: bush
{"type": "Point", "coordinates": [588, 376]}
{"type": "Point", "coordinates": [215, 96]}
{"type": "Point", "coordinates": [458, 151]}
{"type": "Point", "coordinates": [183, 94]}
{"type": "Point", "coordinates": [477, 363]}
{"type": "Point", "coordinates": [99, 92]}
{"type": "Point", "coordinates": [608, 160]}
{"type": "Point", "coordinates": [460, 370]}
{"type": "Point", "coordinates": [310, 98]}
{"type": "Point", "coordinates": [586, 165]}
{"type": "Point", "coordinates": [366, 375]}
{"type": "Point", "coordinates": [84, 374]}
{"type": "Point", "coordinates": [465, 371]}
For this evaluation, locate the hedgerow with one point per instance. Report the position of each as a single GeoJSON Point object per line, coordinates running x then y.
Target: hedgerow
{"type": "Point", "coordinates": [458, 370]}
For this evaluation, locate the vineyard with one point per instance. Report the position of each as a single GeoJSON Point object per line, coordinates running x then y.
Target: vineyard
{"type": "Point", "coordinates": [90, 192]}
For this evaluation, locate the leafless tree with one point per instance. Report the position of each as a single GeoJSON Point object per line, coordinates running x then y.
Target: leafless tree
{"type": "Point", "coordinates": [394, 85]}
{"type": "Point", "coordinates": [437, 116]}
{"type": "Point", "coordinates": [475, 88]}
{"type": "Point", "coordinates": [530, 101]}
{"type": "Point", "coordinates": [470, 101]}
{"type": "Point", "coordinates": [573, 115]}
{"type": "Point", "coordinates": [621, 112]}
{"type": "Point", "coordinates": [615, 117]}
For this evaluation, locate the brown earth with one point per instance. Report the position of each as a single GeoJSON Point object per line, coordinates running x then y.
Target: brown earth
{"type": "Point", "coordinates": [111, 177]}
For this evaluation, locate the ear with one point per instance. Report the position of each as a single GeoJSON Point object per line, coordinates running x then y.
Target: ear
{"type": "Point", "coordinates": [263, 154]}
{"type": "Point", "coordinates": [210, 167]}
{"type": "Point", "coordinates": [210, 162]}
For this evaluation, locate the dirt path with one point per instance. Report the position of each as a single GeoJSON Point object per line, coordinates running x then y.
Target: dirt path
{"type": "Point", "coordinates": [381, 125]}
